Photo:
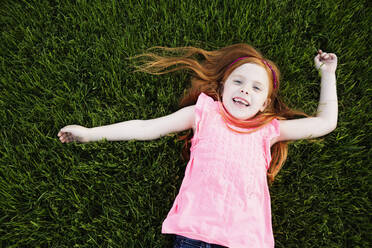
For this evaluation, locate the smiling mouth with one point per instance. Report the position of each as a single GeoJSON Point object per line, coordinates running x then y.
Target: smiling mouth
{"type": "Point", "coordinates": [241, 101]}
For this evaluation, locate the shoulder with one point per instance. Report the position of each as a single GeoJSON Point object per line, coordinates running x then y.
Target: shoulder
{"type": "Point", "coordinates": [272, 131]}
{"type": "Point", "coordinates": [205, 101]}
{"type": "Point", "coordinates": [205, 107]}
{"type": "Point", "coordinates": [204, 104]}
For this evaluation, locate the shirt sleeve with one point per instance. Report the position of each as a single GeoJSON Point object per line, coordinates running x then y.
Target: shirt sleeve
{"type": "Point", "coordinates": [203, 105]}
{"type": "Point", "coordinates": [271, 131]}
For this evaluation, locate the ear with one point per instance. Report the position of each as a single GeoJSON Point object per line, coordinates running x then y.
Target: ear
{"type": "Point", "coordinates": [266, 103]}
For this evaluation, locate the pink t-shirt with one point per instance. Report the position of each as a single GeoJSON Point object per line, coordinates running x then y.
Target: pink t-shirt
{"type": "Point", "coordinates": [224, 197]}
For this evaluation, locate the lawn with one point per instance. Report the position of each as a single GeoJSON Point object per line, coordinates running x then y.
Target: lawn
{"type": "Point", "coordinates": [66, 62]}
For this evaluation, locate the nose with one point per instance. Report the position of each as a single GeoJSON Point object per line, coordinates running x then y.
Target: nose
{"type": "Point", "coordinates": [244, 91]}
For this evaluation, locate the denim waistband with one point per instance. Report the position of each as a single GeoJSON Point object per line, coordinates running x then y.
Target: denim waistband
{"type": "Point", "coordinates": [184, 242]}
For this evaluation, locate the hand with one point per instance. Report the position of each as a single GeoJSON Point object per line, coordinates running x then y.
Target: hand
{"type": "Point", "coordinates": [325, 62]}
{"type": "Point", "coordinates": [73, 133]}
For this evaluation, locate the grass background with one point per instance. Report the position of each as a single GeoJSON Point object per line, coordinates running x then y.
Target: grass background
{"type": "Point", "coordinates": [65, 62]}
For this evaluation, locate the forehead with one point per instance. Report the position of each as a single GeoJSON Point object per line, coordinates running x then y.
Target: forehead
{"type": "Point", "coordinates": [251, 72]}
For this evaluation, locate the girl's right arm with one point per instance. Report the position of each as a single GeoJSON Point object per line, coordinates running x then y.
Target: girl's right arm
{"type": "Point", "coordinates": [179, 121]}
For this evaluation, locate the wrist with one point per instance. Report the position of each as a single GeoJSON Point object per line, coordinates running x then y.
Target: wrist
{"type": "Point", "coordinates": [327, 75]}
{"type": "Point", "coordinates": [326, 72]}
{"type": "Point", "coordinates": [89, 135]}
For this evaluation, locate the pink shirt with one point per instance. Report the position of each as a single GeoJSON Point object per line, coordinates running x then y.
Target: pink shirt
{"type": "Point", "coordinates": [224, 197]}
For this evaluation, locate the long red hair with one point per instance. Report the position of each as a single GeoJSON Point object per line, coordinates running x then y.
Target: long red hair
{"type": "Point", "coordinates": [210, 71]}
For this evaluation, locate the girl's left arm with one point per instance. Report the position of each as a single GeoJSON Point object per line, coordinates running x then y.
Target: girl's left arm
{"type": "Point", "coordinates": [325, 120]}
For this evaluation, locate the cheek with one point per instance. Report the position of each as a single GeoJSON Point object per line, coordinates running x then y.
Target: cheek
{"type": "Point", "coordinates": [227, 89]}
{"type": "Point", "coordinates": [264, 102]}
{"type": "Point", "coordinates": [224, 92]}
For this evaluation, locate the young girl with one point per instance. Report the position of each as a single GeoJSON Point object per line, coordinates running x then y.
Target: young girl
{"type": "Point", "coordinates": [239, 126]}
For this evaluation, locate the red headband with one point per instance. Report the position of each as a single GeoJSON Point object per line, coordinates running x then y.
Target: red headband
{"type": "Point", "coordinates": [265, 62]}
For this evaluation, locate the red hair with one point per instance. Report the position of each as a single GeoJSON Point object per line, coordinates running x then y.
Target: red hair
{"type": "Point", "coordinates": [209, 75]}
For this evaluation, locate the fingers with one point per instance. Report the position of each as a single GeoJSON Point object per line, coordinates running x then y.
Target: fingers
{"type": "Point", "coordinates": [325, 56]}
{"type": "Point", "coordinates": [325, 62]}
{"type": "Point", "coordinates": [66, 137]}
{"type": "Point", "coordinates": [318, 62]}
{"type": "Point", "coordinates": [332, 56]}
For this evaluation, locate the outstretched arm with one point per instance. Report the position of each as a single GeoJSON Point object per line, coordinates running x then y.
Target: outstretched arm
{"type": "Point", "coordinates": [325, 120]}
{"type": "Point", "coordinates": [181, 120]}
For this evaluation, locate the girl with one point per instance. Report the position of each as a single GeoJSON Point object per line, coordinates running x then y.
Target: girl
{"type": "Point", "coordinates": [237, 122]}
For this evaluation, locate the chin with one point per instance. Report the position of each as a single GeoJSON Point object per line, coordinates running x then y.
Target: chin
{"type": "Point", "coordinates": [239, 114]}
{"type": "Point", "coordinates": [241, 117]}
{"type": "Point", "coordinates": [244, 118]}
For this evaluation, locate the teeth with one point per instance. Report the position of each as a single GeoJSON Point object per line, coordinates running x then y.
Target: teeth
{"type": "Point", "coordinates": [240, 101]}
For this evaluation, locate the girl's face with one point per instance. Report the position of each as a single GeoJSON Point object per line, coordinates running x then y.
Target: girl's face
{"type": "Point", "coordinates": [245, 91]}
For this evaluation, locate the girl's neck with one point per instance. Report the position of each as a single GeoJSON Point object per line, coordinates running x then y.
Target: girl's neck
{"type": "Point", "coordinates": [244, 126]}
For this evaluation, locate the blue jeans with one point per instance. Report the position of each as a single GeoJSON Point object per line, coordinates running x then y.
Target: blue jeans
{"type": "Point", "coordinates": [183, 242]}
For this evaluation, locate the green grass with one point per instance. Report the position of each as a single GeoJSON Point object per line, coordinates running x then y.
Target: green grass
{"type": "Point", "coordinates": [66, 63]}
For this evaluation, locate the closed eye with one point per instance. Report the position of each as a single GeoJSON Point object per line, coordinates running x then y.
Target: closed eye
{"type": "Point", "coordinates": [237, 81]}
